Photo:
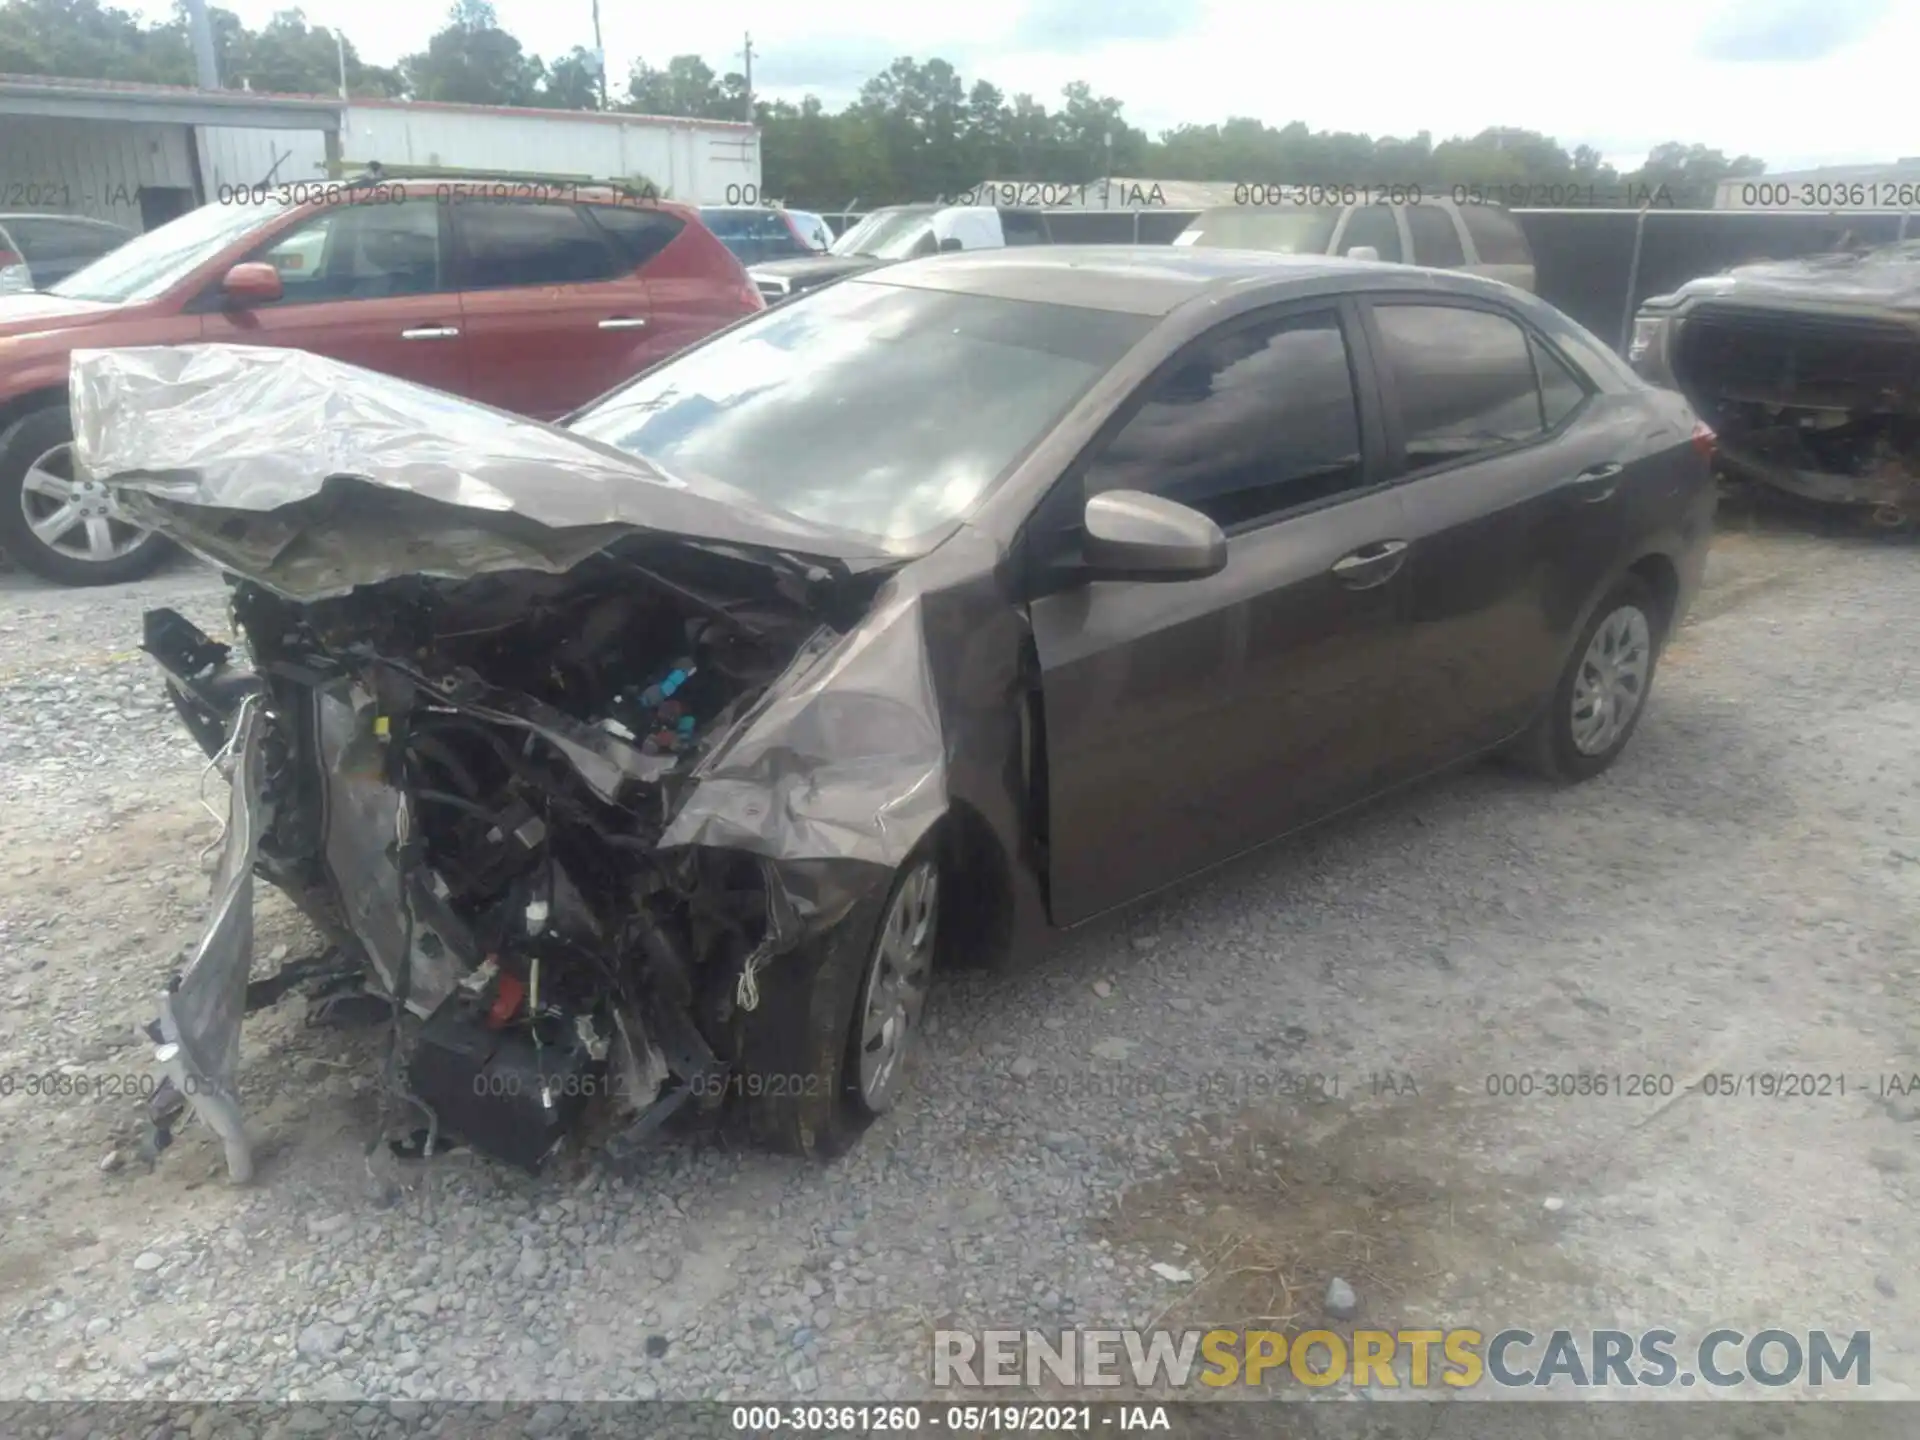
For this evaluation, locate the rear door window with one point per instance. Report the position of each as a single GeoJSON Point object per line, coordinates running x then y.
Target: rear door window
{"type": "Point", "coordinates": [1435, 241]}
{"type": "Point", "coordinates": [1496, 235]}
{"type": "Point", "coordinates": [1373, 225]}
{"type": "Point", "coordinates": [520, 242]}
{"type": "Point", "coordinates": [637, 232]}
{"type": "Point", "coordinates": [1463, 379]}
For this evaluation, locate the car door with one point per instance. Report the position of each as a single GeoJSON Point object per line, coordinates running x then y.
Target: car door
{"type": "Point", "coordinates": [1369, 225]}
{"type": "Point", "coordinates": [1499, 246]}
{"type": "Point", "coordinates": [1186, 722]}
{"type": "Point", "coordinates": [694, 284]}
{"type": "Point", "coordinates": [1512, 464]}
{"type": "Point", "coordinates": [367, 283]}
{"type": "Point", "coordinates": [1435, 241]}
{"type": "Point", "coordinates": [554, 314]}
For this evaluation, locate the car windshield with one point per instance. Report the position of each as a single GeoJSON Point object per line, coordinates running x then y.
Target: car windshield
{"type": "Point", "coordinates": [812, 229]}
{"type": "Point", "coordinates": [880, 409]}
{"type": "Point", "coordinates": [1302, 230]}
{"type": "Point", "coordinates": [885, 234]}
{"type": "Point", "coordinates": [151, 264]}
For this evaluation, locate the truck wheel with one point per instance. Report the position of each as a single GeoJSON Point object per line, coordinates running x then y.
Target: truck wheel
{"type": "Point", "coordinates": [60, 528]}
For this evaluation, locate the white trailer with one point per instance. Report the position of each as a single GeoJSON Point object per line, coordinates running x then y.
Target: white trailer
{"type": "Point", "coordinates": [703, 162]}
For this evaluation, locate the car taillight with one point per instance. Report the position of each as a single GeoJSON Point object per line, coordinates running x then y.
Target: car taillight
{"type": "Point", "coordinates": [10, 258]}
{"type": "Point", "coordinates": [1704, 440]}
{"type": "Point", "coordinates": [1647, 330]}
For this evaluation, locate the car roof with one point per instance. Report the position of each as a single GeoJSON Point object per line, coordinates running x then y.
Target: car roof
{"type": "Point", "coordinates": [505, 187]}
{"type": "Point", "coordinates": [1156, 279]}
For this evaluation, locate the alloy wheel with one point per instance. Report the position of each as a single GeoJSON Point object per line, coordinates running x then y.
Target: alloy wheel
{"type": "Point", "coordinates": [896, 988]}
{"type": "Point", "coordinates": [1611, 683]}
{"type": "Point", "coordinates": [73, 517]}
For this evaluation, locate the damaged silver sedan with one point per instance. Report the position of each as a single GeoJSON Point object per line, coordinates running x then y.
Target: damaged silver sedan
{"type": "Point", "coordinates": [659, 755]}
{"type": "Point", "coordinates": [1808, 370]}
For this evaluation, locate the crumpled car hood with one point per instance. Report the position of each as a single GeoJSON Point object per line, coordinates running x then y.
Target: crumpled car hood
{"type": "Point", "coordinates": [313, 476]}
{"type": "Point", "coordinates": [1888, 276]}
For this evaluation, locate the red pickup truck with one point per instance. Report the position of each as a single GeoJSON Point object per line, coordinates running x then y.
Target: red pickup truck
{"type": "Point", "coordinates": [532, 298]}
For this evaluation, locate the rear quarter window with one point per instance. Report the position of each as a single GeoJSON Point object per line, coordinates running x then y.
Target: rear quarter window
{"type": "Point", "coordinates": [638, 234]}
{"type": "Point", "coordinates": [1435, 241]}
{"type": "Point", "coordinates": [1496, 235]}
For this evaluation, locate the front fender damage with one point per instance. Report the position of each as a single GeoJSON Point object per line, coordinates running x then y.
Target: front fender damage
{"type": "Point", "coordinates": [555, 814]}
{"type": "Point", "coordinates": [798, 809]}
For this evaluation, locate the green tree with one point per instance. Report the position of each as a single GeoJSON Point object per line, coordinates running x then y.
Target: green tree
{"type": "Point", "coordinates": [1691, 173]}
{"type": "Point", "coordinates": [917, 129]}
{"type": "Point", "coordinates": [89, 41]}
{"type": "Point", "coordinates": [686, 87]}
{"type": "Point", "coordinates": [473, 62]}
{"type": "Point", "coordinates": [572, 82]}
{"type": "Point", "coordinates": [290, 57]}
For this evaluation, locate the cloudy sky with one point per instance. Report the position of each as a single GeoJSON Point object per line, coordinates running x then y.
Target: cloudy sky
{"type": "Point", "coordinates": [1797, 82]}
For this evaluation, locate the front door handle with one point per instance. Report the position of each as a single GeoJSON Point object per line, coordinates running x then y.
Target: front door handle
{"type": "Point", "coordinates": [431, 332]}
{"type": "Point", "coordinates": [1598, 482]}
{"type": "Point", "coordinates": [624, 322]}
{"type": "Point", "coordinates": [1371, 565]}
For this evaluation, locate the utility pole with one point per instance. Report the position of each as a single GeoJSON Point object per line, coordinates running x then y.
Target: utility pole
{"type": "Point", "coordinates": [600, 54]}
{"type": "Point", "coordinates": [207, 74]}
{"type": "Point", "coordinates": [747, 58]}
{"type": "Point", "coordinates": [340, 48]}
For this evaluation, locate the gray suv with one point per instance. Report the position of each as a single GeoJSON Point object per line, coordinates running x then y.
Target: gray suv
{"type": "Point", "coordinates": [1479, 239]}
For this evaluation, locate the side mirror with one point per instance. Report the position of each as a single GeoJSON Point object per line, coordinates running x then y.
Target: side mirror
{"type": "Point", "coordinates": [1362, 252]}
{"type": "Point", "coordinates": [1131, 535]}
{"type": "Point", "coordinates": [254, 283]}
{"type": "Point", "coordinates": [951, 244]}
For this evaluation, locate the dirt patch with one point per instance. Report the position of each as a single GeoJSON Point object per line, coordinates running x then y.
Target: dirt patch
{"type": "Point", "coordinates": [1386, 1191]}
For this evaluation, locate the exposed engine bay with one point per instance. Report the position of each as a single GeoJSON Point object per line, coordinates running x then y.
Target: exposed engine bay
{"type": "Point", "coordinates": [559, 780]}
{"type": "Point", "coordinates": [499, 759]}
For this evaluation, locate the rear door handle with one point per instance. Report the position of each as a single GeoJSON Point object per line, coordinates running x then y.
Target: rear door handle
{"type": "Point", "coordinates": [431, 332]}
{"type": "Point", "coordinates": [1371, 565]}
{"type": "Point", "coordinates": [1598, 482]}
{"type": "Point", "coordinates": [624, 322]}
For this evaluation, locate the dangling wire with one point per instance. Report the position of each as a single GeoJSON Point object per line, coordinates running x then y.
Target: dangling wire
{"type": "Point", "coordinates": [222, 761]}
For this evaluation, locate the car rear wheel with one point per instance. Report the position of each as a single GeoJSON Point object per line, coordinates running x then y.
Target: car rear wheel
{"type": "Point", "coordinates": [60, 526]}
{"type": "Point", "coordinates": [831, 1045]}
{"type": "Point", "coordinates": [1602, 693]}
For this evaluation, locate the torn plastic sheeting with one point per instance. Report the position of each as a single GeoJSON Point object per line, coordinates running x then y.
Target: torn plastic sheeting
{"type": "Point", "coordinates": [844, 759]}
{"type": "Point", "coordinates": [354, 534]}
{"type": "Point", "coordinates": [200, 1018]}
{"type": "Point", "coordinates": [253, 428]}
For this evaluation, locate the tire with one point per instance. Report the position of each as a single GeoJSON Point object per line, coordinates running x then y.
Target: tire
{"type": "Point", "coordinates": [39, 435]}
{"type": "Point", "coordinates": [1568, 746]}
{"type": "Point", "coordinates": [803, 1080]}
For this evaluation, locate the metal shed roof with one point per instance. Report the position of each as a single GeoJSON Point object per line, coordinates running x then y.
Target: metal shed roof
{"type": "Point", "coordinates": [59, 98]}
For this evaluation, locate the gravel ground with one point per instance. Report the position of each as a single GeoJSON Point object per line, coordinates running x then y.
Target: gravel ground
{"type": "Point", "coordinates": [1738, 894]}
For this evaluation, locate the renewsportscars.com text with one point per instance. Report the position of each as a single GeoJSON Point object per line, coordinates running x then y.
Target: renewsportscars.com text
{"type": "Point", "coordinates": [1456, 1359]}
